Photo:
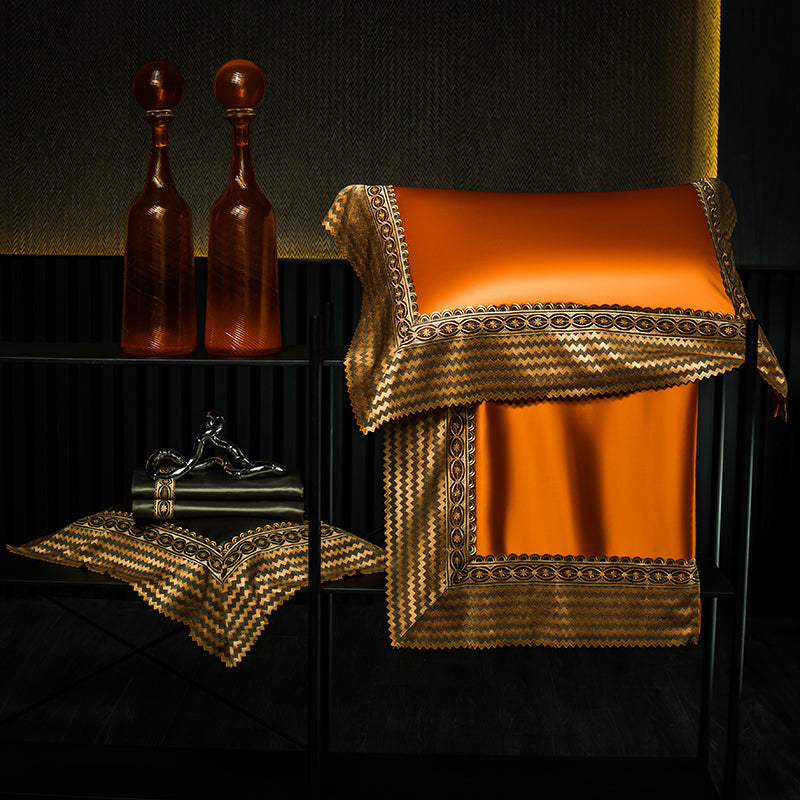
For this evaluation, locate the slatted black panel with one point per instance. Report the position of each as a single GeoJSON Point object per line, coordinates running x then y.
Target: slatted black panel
{"type": "Point", "coordinates": [759, 128]}
{"type": "Point", "coordinates": [73, 434]}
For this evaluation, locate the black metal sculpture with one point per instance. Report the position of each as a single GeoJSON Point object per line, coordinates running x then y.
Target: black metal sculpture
{"type": "Point", "coordinates": [233, 460]}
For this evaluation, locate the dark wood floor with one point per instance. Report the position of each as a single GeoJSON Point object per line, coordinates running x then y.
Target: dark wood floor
{"type": "Point", "coordinates": [514, 701]}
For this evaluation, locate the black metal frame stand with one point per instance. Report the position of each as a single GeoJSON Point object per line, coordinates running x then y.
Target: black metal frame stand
{"type": "Point", "coordinates": [744, 497]}
{"type": "Point", "coordinates": [317, 703]}
{"type": "Point", "coordinates": [320, 635]}
{"type": "Point", "coordinates": [320, 644]}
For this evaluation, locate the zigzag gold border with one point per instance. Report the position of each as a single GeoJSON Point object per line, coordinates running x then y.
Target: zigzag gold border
{"type": "Point", "coordinates": [402, 362]}
{"type": "Point", "coordinates": [224, 592]}
{"type": "Point", "coordinates": [442, 594]}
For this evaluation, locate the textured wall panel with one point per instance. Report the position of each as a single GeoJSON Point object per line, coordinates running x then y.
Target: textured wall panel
{"type": "Point", "coordinates": [556, 95]}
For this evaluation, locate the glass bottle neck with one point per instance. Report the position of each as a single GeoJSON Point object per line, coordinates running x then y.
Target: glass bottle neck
{"type": "Point", "coordinates": [242, 172]}
{"type": "Point", "coordinates": [159, 173]}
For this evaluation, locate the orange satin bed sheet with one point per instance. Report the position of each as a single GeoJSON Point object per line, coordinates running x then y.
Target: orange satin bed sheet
{"type": "Point", "coordinates": [649, 248]}
{"type": "Point", "coordinates": [609, 476]}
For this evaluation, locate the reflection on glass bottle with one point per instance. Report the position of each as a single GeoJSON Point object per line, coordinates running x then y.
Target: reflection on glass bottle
{"type": "Point", "coordinates": [242, 313]}
{"type": "Point", "coordinates": [158, 308]}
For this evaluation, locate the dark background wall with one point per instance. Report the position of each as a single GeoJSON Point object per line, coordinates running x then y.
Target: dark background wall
{"type": "Point", "coordinates": [759, 128]}
{"type": "Point", "coordinates": [476, 94]}
{"type": "Point", "coordinates": [533, 96]}
{"type": "Point", "coordinates": [545, 96]}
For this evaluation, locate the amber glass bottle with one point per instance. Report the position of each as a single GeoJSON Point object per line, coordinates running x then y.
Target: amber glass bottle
{"type": "Point", "coordinates": [242, 313]}
{"type": "Point", "coordinates": [158, 308]}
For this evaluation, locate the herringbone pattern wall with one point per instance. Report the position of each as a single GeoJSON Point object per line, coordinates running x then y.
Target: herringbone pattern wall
{"type": "Point", "coordinates": [507, 96]}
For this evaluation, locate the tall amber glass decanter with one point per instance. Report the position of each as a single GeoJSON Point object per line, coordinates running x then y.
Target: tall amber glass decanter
{"type": "Point", "coordinates": [242, 313]}
{"type": "Point", "coordinates": [158, 308]}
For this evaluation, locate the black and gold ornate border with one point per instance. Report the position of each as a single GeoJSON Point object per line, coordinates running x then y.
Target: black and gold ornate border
{"type": "Point", "coordinates": [401, 362]}
{"type": "Point", "coordinates": [411, 327]}
{"type": "Point", "coordinates": [721, 219]}
{"type": "Point", "coordinates": [441, 593]}
{"type": "Point", "coordinates": [466, 567]}
{"type": "Point", "coordinates": [163, 498]}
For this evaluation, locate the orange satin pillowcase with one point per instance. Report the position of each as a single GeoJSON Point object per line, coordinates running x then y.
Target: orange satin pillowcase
{"type": "Point", "coordinates": [650, 248]}
{"type": "Point", "coordinates": [472, 296]}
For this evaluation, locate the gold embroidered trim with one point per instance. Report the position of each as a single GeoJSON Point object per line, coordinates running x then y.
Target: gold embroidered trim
{"type": "Point", "coordinates": [549, 317]}
{"type": "Point", "coordinates": [576, 569]}
{"type": "Point", "coordinates": [440, 593]}
{"type": "Point", "coordinates": [383, 205]}
{"type": "Point", "coordinates": [721, 219]}
{"type": "Point", "coordinates": [466, 567]}
{"type": "Point", "coordinates": [412, 327]}
{"type": "Point", "coordinates": [218, 559]}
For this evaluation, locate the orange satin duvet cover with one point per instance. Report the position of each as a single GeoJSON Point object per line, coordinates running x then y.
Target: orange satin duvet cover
{"type": "Point", "coordinates": [532, 361]}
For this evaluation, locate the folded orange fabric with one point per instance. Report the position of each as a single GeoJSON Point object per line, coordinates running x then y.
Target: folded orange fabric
{"type": "Point", "coordinates": [472, 296]}
{"type": "Point", "coordinates": [607, 476]}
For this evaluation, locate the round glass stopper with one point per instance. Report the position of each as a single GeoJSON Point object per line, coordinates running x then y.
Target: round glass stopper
{"type": "Point", "coordinates": [158, 85]}
{"type": "Point", "coordinates": [239, 84]}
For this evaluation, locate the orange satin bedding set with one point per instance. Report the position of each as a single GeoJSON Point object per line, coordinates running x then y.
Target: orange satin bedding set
{"type": "Point", "coordinates": [532, 360]}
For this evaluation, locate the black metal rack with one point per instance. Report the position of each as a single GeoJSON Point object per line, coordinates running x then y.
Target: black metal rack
{"type": "Point", "coordinates": [715, 586]}
{"type": "Point", "coordinates": [321, 764]}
